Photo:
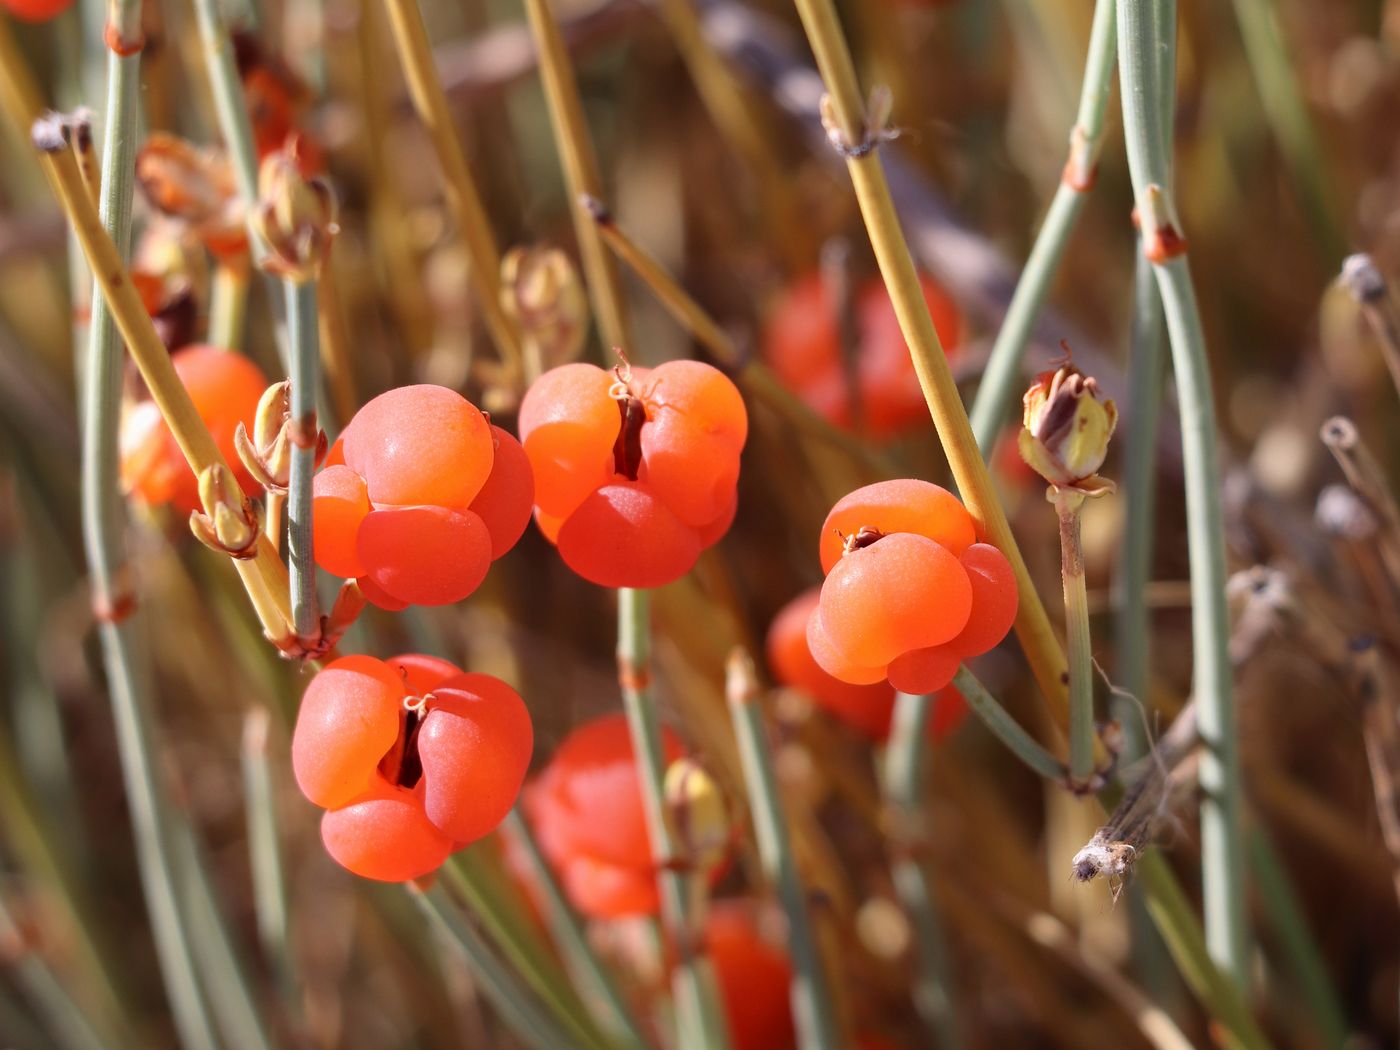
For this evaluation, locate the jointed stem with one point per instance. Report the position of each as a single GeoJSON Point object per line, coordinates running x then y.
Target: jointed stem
{"type": "Point", "coordinates": [897, 267]}
{"type": "Point", "coordinates": [999, 378]}
{"type": "Point", "coordinates": [1222, 858]}
{"type": "Point", "coordinates": [699, 1021]}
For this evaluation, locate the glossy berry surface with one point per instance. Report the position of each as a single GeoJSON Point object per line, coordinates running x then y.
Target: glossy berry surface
{"type": "Point", "coordinates": [754, 976]}
{"type": "Point", "coordinates": [36, 10]}
{"type": "Point", "coordinates": [405, 784]}
{"type": "Point", "coordinates": [225, 388]}
{"type": "Point", "coordinates": [587, 812]}
{"type": "Point", "coordinates": [635, 470]}
{"type": "Point", "coordinates": [418, 497]}
{"type": "Point", "coordinates": [908, 594]}
{"type": "Point", "coordinates": [802, 343]}
{"type": "Point", "coordinates": [867, 708]}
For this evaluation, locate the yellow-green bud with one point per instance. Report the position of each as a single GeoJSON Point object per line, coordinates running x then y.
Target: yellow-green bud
{"type": "Point", "coordinates": [699, 814]}
{"type": "Point", "coordinates": [295, 215]}
{"type": "Point", "coordinates": [1067, 426]}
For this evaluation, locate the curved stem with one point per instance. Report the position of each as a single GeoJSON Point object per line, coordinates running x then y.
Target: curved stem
{"type": "Point", "coordinates": [699, 1022]}
{"type": "Point", "coordinates": [1003, 370]}
{"type": "Point", "coordinates": [1222, 861]}
{"type": "Point", "coordinates": [1033, 626]}
{"type": "Point", "coordinates": [906, 761]}
{"type": "Point", "coordinates": [811, 998]}
{"type": "Point", "coordinates": [1006, 729]}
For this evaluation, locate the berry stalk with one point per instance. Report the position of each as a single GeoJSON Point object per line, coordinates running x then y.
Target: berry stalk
{"type": "Point", "coordinates": [1003, 369]}
{"type": "Point", "coordinates": [905, 774]}
{"type": "Point", "coordinates": [573, 939]}
{"type": "Point", "coordinates": [811, 997]}
{"type": "Point", "coordinates": [1081, 661]}
{"type": "Point", "coordinates": [305, 376]}
{"type": "Point", "coordinates": [1006, 729]}
{"type": "Point", "coordinates": [699, 1021]}
{"type": "Point", "coordinates": [463, 197]}
{"type": "Point", "coordinates": [580, 162]}
{"type": "Point", "coordinates": [104, 521]}
{"type": "Point", "coordinates": [859, 143]}
{"type": "Point", "coordinates": [1222, 860]}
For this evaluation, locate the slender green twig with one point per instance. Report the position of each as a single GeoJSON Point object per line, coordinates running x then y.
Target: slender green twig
{"type": "Point", "coordinates": [569, 932]}
{"type": "Point", "coordinates": [525, 1017]}
{"type": "Point", "coordinates": [905, 773]}
{"type": "Point", "coordinates": [1003, 369]}
{"type": "Point", "coordinates": [1222, 858]}
{"type": "Point", "coordinates": [103, 525]}
{"type": "Point", "coordinates": [699, 1021]}
{"type": "Point", "coordinates": [521, 946]}
{"type": "Point", "coordinates": [1006, 729]}
{"type": "Point", "coordinates": [811, 998]}
{"type": "Point", "coordinates": [306, 369]}
{"type": "Point", "coordinates": [1068, 505]}
{"type": "Point", "coordinates": [853, 131]}
{"type": "Point", "coordinates": [265, 850]}
{"type": "Point", "coordinates": [580, 162]}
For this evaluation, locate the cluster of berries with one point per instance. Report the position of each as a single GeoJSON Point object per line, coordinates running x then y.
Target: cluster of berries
{"type": "Point", "coordinates": [225, 388]}
{"type": "Point", "coordinates": [635, 469]}
{"type": "Point", "coordinates": [909, 592]}
{"type": "Point", "coordinates": [803, 343]}
{"type": "Point", "coordinates": [418, 496]}
{"type": "Point", "coordinates": [869, 709]}
{"type": "Point", "coordinates": [412, 758]}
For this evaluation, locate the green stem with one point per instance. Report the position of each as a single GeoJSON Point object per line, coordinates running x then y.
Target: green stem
{"type": "Point", "coordinates": [699, 1020]}
{"type": "Point", "coordinates": [265, 851]}
{"type": "Point", "coordinates": [1006, 729]}
{"type": "Point", "coordinates": [1222, 860]}
{"type": "Point", "coordinates": [521, 946]}
{"type": "Point", "coordinates": [573, 939]}
{"type": "Point", "coordinates": [1281, 903]}
{"type": "Point", "coordinates": [103, 524]}
{"type": "Point", "coordinates": [906, 761]}
{"type": "Point", "coordinates": [1081, 660]}
{"type": "Point", "coordinates": [520, 1012]}
{"type": "Point", "coordinates": [305, 376]}
{"type": "Point", "coordinates": [811, 998]}
{"type": "Point", "coordinates": [1003, 370]}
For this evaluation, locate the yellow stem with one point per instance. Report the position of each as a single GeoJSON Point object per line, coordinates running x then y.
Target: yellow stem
{"type": "Point", "coordinates": [1037, 636]}
{"type": "Point", "coordinates": [580, 161]}
{"type": "Point", "coordinates": [264, 576]}
{"type": "Point", "coordinates": [429, 99]}
{"type": "Point", "coordinates": [20, 96]}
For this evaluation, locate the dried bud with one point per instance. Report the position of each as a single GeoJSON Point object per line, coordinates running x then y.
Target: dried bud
{"type": "Point", "coordinates": [1066, 430]}
{"type": "Point", "coordinates": [268, 456]}
{"type": "Point", "coordinates": [196, 187]}
{"type": "Point", "coordinates": [228, 524]}
{"type": "Point", "coordinates": [699, 813]}
{"type": "Point", "coordinates": [540, 289]}
{"type": "Point", "coordinates": [295, 215]}
{"type": "Point", "coordinates": [170, 271]}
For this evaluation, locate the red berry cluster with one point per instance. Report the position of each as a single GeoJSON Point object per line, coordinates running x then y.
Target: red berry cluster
{"type": "Point", "coordinates": [802, 343]}
{"type": "Point", "coordinates": [867, 708]}
{"type": "Point", "coordinates": [909, 592]}
{"type": "Point", "coordinates": [586, 809]}
{"type": "Point", "coordinates": [420, 494]}
{"type": "Point", "coordinates": [411, 758]}
{"type": "Point", "coordinates": [635, 470]}
{"type": "Point", "coordinates": [225, 388]}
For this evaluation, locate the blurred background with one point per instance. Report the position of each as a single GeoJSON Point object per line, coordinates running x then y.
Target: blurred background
{"type": "Point", "coordinates": [1287, 159]}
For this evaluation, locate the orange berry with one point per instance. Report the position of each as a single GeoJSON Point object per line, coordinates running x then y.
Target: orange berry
{"type": "Point", "coordinates": [568, 424]}
{"type": "Point", "coordinates": [420, 445]}
{"type": "Point", "coordinates": [420, 673]}
{"type": "Point", "coordinates": [624, 536]}
{"type": "Point", "coordinates": [36, 10]}
{"type": "Point", "coordinates": [424, 555]}
{"type": "Point", "coordinates": [901, 505]}
{"type": "Point", "coordinates": [902, 592]}
{"type": "Point", "coordinates": [384, 835]}
{"type": "Point", "coordinates": [225, 388]}
{"type": "Point", "coordinates": [348, 720]}
{"type": "Point", "coordinates": [833, 660]}
{"type": "Point", "coordinates": [475, 744]}
{"type": "Point", "coordinates": [754, 978]}
{"type": "Point", "coordinates": [339, 504]}
{"type": "Point", "coordinates": [504, 502]}
{"type": "Point", "coordinates": [994, 600]}
{"type": "Point", "coordinates": [378, 596]}
{"type": "Point", "coordinates": [922, 671]}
